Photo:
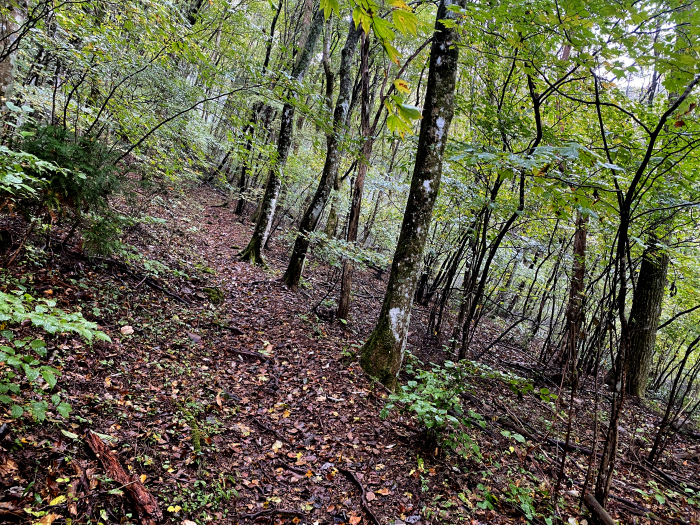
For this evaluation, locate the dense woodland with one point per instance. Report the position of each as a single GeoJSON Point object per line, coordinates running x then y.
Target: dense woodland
{"type": "Point", "coordinates": [362, 261]}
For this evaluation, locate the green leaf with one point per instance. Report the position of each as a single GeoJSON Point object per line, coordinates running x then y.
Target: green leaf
{"type": "Point", "coordinates": [16, 411]}
{"type": "Point", "coordinates": [48, 376]}
{"type": "Point", "coordinates": [409, 112]}
{"type": "Point", "coordinates": [405, 21]}
{"type": "Point", "coordinates": [64, 409]}
{"type": "Point", "coordinates": [39, 409]}
{"type": "Point", "coordinates": [69, 434]}
{"type": "Point", "coordinates": [391, 51]}
{"type": "Point", "coordinates": [32, 373]}
{"type": "Point", "coordinates": [39, 347]}
{"type": "Point", "coordinates": [329, 7]}
{"type": "Point", "coordinates": [5, 399]}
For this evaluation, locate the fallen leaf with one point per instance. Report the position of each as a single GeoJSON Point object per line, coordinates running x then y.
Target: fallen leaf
{"type": "Point", "coordinates": [57, 500]}
{"type": "Point", "coordinates": [354, 520]}
{"type": "Point", "coordinates": [8, 467]}
{"type": "Point", "coordinates": [126, 330]}
{"type": "Point", "coordinates": [370, 496]}
{"type": "Point", "coordinates": [277, 445]}
{"type": "Point", "coordinates": [384, 491]}
{"type": "Point", "coordinates": [47, 520]}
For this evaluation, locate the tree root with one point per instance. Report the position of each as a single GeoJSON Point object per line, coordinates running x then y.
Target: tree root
{"type": "Point", "coordinates": [365, 505]}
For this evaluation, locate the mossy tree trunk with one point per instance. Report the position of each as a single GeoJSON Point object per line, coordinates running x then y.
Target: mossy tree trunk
{"type": "Point", "coordinates": [330, 169]}
{"type": "Point", "coordinates": [253, 252]}
{"type": "Point", "coordinates": [383, 352]}
{"type": "Point", "coordinates": [645, 315]}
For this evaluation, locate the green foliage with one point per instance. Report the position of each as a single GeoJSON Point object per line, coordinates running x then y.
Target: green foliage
{"type": "Point", "coordinates": [335, 251]}
{"type": "Point", "coordinates": [21, 360]}
{"type": "Point", "coordinates": [24, 176]}
{"type": "Point", "coordinates": [89, 176]}
{"type": "Point", "coordinates": [433, 398]}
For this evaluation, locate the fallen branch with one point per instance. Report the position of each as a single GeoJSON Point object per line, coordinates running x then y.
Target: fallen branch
{"type": "Point", "coordinates": [351, 475]}
{"type": "Point", "coordinates": [280, 512]}
{"type": "Point", "coordinates": [235, 330]}
{"type": "Point", "coordinates": [270, 430]}
{"type": "Point", "coordinates": [156, 286]}
{"type": "Point", "coordinates": [597, 510]}
{"type": "Point", "coordinates": [145, 503]}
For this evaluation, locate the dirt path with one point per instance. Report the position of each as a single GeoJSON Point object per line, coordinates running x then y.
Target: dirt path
{"type": "Point", "coordinates": [252, 410]}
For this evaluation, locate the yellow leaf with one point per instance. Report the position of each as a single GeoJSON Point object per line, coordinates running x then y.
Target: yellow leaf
{"type": "Point", "coordinates": [143, 478]}
{"type": "Point", "coordinates": [57, 500]}
{"type": "Point", "coordinates": [174, 509]}
{"type": "Point", "coordinates": [399, 4]}
{"type": "Point", "coordinates": [401, 85]}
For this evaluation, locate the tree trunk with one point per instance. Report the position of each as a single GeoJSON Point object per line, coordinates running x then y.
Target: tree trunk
{"type": "Point", "coordinates": [10, 22]}
{"type": "Point", "coordinates": [330, 168]}
{"type": "Point", "coordinates": [332, 220]}
{"type": "Point", "coordinates": [645, 315]}
{"type": "Point", "coordinates": [253, 252]}
{"type": "Point", "coordinates": [356, 205]}
{"type": "Point", "coordinates": [383, 353]}
{"type": "Point", "coordinates": [574, 310]}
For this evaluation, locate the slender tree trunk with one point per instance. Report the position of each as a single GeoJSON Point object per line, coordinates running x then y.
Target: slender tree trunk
{"type": "Point", "coordinates": [383, 353]}
{"type": "Point", "coordinates": [645, 315]}
{"type": "Point", "coordinates": [253, 252]}
{"type": "Point", "coordinates": [356, 205]}
{"type": "Point", "coordinates": [574, 310]}
{"type": "Point", "coordinates": [10, 22]}
{"type": "Point", "coordinates": [330, 168]}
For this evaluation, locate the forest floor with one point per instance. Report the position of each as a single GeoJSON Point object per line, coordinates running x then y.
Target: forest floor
{"type": "Point", "coordinates": [253, 410]}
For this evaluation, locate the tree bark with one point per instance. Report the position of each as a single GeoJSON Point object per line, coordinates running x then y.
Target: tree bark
{"type": "Point", "coordinates": [253, 252]}
{"type": "Point", "coordinates": [644, 317]}
{"type": "Point", "coordinates": [356, 204]}
{"type": "Point", "coordinates": [574, 310]}
{"type": "Point", "coordinates": [383, 353]}
{"type": "Point", "coordinates": [330, 168]}
{"type": "Point", "coordinates": [11, 18]}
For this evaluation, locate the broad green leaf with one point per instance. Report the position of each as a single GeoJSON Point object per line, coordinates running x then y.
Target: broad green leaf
{"type": "Point", "coordinates": [405, 21]}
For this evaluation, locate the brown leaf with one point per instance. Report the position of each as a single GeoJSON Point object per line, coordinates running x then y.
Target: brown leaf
{"type": "Point", "coordinates": [355, 520]}
{"type": "Point", "coordinates": [370, 496]}
{"type": "Point", "coordinates": [8, 467]}
{"type": "Point", "coordinates": [47, 520]}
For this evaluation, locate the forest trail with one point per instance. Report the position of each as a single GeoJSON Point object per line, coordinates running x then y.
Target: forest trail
{"type": "Point", "coordinates": [253, 410]}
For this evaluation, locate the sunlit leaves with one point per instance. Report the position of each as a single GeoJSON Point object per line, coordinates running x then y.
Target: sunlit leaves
{"type": "Point", "coordinates": [330, 7]}
{"type": "Point", "coordinates": [405, 21]}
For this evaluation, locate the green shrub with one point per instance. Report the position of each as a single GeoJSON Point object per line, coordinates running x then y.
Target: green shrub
{"type": "Point", "coordinates": [22, 370]}
{"type": "Point", "coordinates": [433, 398]}
{"type": "Point", "coordinates": [89, 176]}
